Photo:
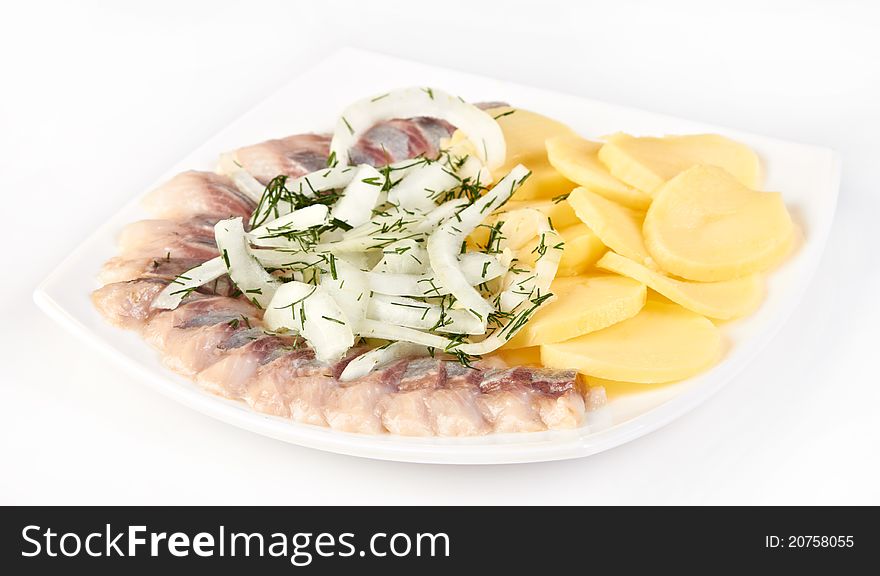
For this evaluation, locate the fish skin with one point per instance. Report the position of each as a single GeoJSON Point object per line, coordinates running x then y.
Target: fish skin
{"type": "Point", "coordinates": [291, 156]}
{"type": "Point", "coordinates": [400, 139]}
{"type": "Point", "coordinates": [195, 193]}
{"type": "Point", "coordinates": [192, 238]}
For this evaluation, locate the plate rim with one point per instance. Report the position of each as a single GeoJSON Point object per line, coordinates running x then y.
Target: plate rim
{"type": "Point", "coordinates": [561, 445]}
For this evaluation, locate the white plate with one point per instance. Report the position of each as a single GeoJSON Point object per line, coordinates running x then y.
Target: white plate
{"type": "Point", "coordinates": [808, 176]}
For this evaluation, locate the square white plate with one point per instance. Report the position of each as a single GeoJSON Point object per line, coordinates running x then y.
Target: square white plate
{"type": "Point", "coordinates": [808, 177]}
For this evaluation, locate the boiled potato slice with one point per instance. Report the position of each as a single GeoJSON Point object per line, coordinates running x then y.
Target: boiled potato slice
{"type": "Point", "coordinates": [519, 356]}
{"type": "Point", "coordinates": [582, 249]}
{"type": "Point", "coordinates": [722, 300]}
{"type": "Point", "coordinates": [544, 183]}
{"type": "Point", "coordinates": [583, 304]}
{"type": "Point", "coordinates": [525, 133]}
{"type": "Point", "coordinates": [662, 343]}
{"type": "Point", "coordinates": [704, 225]}
{"type": "Point", "coordinates": [616, 388]}
{"type": "Point", "coordinates": [577, 160]}
{"type": "Point", "coordinates": [618, 227]}
{"type": "Point", "coordinates": [647, 163]}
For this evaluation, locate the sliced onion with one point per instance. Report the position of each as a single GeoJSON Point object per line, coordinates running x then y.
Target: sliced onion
{"type": "Point", "coordinates": [476, 267]}
{"type": "Point", "coordinates": [521, 226]}
{"type": "Point", "coordinates": [382, 356]}
{"type": "Point", "coordinates": [445, 242]}
{"type": "Point", "coordinates": [281, 313]}
{"type": "Point", "coordinates": [379, 241]}
{"type": "Point", "coordinates": [359, 197]}
{"type": "Point", "coordinates": [523, 300]}
{"type": "Point", "coordinates": [322, 180]}
{"type": "Point", "coordinates": [419, 188]}
{"type": "Point", "coordinates": [403, 257]}
{"type": "Point", "coordinates": [307, 185]}
{"type": "Point", "coordinates": [209, 271]}
{"type": "Point", "coordinates": [243, 180]}
{"type": "Point", "coordinates": [312, 312]}
{"type": "Point", "coordinates": [422, 315]}
{"type": "Point", "coordinates": [474, 170]}
{"type": "Point", "coordinates": [173, 294]}
{"type": "Point", "coordinates": [480, 128]}
{"type": "Point", "coordinates": [386, 331]}
{"type": "Point", "coordinates": [348, 287]}
{"type": "Point", "coordinates": [275, 232]}
{"type": "Point", "coordinates": [441, 213]}
{"type": "Point", "coordinates": [256, 284]}
{"type": "Point", "coordinates": [390, 221]}
{"type": "Point", "coordinates": [314, 215]}
{"type": "Point", "coordinates": [545, 271]}
{"type": "Point", "coordinates": [284, 258]}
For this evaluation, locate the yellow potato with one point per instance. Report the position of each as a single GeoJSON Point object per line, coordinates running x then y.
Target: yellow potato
{"type": "Point", "coordinates": [616, 388]}
{"type": "Point", "coordinates": [647, 163]}
{"type": "Point", "coordinates": [618, 227]}
{"type": "Point", "coordinates": [583, 304]}
{"type": "Point", "coordinates": [519, 356]}
{"type": "Point", "coordinates": [704, 225]}
{"type": "Point", "coordinates": [662, 343]}
{"type": "Point", "coordinates": [543, 184]}
{"type": "Point", "coordinates": [582, 249]}
{"type": "Point", "coordinates": [525, 133]}
{"type": "Point", "coordinates": [577, 160]}
{"type": "Point", "coordinates": [723, 300]}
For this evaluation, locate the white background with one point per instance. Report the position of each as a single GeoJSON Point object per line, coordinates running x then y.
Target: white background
{"type": "Point", "coordinates": [98, 99]}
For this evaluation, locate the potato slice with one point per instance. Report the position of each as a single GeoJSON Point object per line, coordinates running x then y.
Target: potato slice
{"type": "Point", "coordinates": [704, 225]}
{"type": "Point", "coordinates": [618, 227]}
{"type": "Point", "coordinates": [577, 160]}
{"type": "Point", "coordinates": [525, 133]}
{"type": "Point", "coordinates": [583, 304]}
{"type": "Point", "coordinates": [647, 163]}
{"type": "Point", "coordinates": [662, 343]}
{"type": "Point", "coordinates": [582, 249]}
{"type": "Point", "coordinates": [722, 300]}
{"type": "Point", "coordinates": [616, 388]}
{"type": "Point", "coordinates": [543, 184]}
{"type": "Point", "coordinates": [519, 356]}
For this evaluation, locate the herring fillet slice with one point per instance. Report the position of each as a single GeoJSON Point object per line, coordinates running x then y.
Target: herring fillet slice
{"type": "Point", "coordinates": [480, 128]}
